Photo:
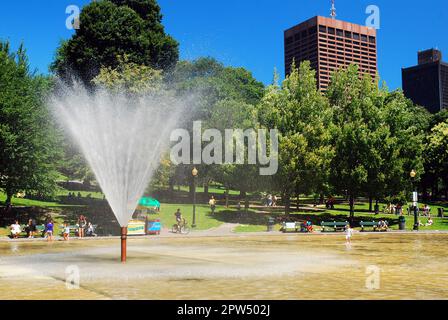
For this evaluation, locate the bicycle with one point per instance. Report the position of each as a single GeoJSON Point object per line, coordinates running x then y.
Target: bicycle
{"type": "Point", "coordinates": [181, 228]}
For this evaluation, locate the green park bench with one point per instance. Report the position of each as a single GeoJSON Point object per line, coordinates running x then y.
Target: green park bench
{"type": "Point", "coordinates": [336, 226]}
{"type": "Point", "coordinates": [365, 224]}
{"type": "Point", "coordinates": [372, 224]}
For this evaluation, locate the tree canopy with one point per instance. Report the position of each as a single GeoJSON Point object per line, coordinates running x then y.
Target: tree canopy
{"type": "Point", "coordinates": [113, 28]}
{"type": "Point", "coordinates": [28, 142]}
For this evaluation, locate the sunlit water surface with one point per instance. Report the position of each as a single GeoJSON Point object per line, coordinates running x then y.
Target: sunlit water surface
{"type": "Point", "coordinates": [237, 267]}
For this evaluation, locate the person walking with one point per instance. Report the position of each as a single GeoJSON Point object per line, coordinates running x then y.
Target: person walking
{"type": "Point", "coordinates": [212, 203]}
{"type": "Point", "coordinates": [31, 228]}
{"type": "Point", "coordinates": [82, 224]}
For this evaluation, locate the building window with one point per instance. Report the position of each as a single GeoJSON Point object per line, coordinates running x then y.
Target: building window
{"type": "Point", "coordinates": [356, 36]}
{"type": "Point", "coordinates": [371, 39]}
{"type": "Point", "coordinates": [323, 29]}
{"type": "Point", "coordinates": [289, 40]}
{"type": "Point", "coordinates": [331, 30]}
{"type": "Point", "coordinates": [348, 34]}
{"type": "Point", "coordinates": [364, 37]}
{"type": "Point", "coordinates": [339, 33]}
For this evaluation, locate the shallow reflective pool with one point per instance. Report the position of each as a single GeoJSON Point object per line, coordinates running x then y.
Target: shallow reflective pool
{"type": "Point", "coordinates": [382, 266]}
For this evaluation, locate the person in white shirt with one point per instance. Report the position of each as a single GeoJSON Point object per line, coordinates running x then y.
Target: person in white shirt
{"type": "Point", "coordinates": [66, 232]}
{"type": "Point", "coordinates": [15, 229]}
{"type": "Point", "coordinates": [348, 234]}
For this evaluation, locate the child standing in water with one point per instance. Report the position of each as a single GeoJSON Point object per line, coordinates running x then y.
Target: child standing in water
{"type": "Point", "coordinates": [66, 232]}
{"type": "Point", "coordinates": [49, 230]}
{"type": "Point", "coordinates": [348, 234]}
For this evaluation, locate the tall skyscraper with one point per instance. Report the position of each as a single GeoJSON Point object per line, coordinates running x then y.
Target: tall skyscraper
{"type": "Point", "coordinates": [330, 44]}
{"type": "Point", "coordinates": [426, 84]}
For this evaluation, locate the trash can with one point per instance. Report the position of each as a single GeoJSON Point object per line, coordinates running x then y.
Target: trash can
{"type": "Point", "coordinates": [271, 223]}
{"type": "Point", "coordinates": [402, 223]}
{"type": "Point", "coordinates": [441, 213]}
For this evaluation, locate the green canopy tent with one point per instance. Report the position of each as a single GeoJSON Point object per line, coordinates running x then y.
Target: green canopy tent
{"type": "Point", "coordinates": [147, 203]}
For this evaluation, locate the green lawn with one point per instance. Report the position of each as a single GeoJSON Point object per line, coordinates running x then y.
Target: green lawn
{"type": "Point", "coordinates": [251, 222]}
{"type": "Point", "coordinates": [204, 220]}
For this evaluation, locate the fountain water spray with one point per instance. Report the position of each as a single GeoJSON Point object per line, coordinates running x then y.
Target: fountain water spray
{"type": "Point", "coordinates": [121, 137]}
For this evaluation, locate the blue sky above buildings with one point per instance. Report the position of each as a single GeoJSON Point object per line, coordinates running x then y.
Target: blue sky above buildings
{"type": "Point", "coordinates": [247, 33]}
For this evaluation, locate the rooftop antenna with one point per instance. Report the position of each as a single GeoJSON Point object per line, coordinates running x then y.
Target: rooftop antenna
{"type": "Point", "coordinates": [333, 10]}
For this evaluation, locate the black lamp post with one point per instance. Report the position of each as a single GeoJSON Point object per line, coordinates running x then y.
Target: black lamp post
{"type": "Point", "coordinates": [413, 174]}
{"type": "Point", "coordinates": [194, 172]}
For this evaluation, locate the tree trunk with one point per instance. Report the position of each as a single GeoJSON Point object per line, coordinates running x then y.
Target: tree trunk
{"type": "Point", "coordinates": [352, 207]}
{"type": "Point", "coordinates": [9, 195]}
{"type": "Point", "coordinates": [287, 203]}
{"type": "Point", "coordinates": [321, 199]}
{"type": "Point", "coordinates": [298, 201]}
{"type": "Point", "coordinates": [206, 189]}
{"type": "Point", "coordinates": [227, 197]}
{"type": "Point", "coordinates": [8, 199]}
{"type": "Point", "coordinates": [370, 203]}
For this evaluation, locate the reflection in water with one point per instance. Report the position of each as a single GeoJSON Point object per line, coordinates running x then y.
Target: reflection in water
{"type": "Point", "coordinates": [382, 266]}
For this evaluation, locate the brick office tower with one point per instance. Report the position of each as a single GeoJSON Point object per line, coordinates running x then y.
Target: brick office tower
{"type": "Point", "coordinates": [330, 44]}
{"type": "Point", "coordinates": [427, 83]}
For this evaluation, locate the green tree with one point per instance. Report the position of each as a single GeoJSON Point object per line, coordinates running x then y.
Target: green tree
{"type": "Point", "coordinates": [130, 78]}
{"type": "Point", "coordinates": [215, 87]}
{"type": "Point", "coordinates": [376, 141]}
{"type": "Point", "coordinates": [113, 28]}
{"type": "Point", "coordinates": [28, 142]}
{"type": "Point", "coordinates": [437, 153]}
{"type": "Point", "coordinates": [302, 116]}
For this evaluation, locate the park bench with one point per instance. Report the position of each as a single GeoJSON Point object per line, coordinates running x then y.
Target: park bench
{"type": "Point", "coordinates": [336, 226]}
{"type": "Point", "coordinates": [374, 225]}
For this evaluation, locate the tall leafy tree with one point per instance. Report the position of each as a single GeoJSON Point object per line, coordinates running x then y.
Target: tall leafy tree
{"type": "Point", "coordinates": [28, 142]}
{"type": "Point", "coordinates": [376, 141]}
{"type": "Point", "coordinates": [216, 88]}
{"type": "Point", "coordinates": [303, 118]}
{"type": "Point", "coordinates": [437, 153]}
{"type": "Point", "coordinates": [113, 28]}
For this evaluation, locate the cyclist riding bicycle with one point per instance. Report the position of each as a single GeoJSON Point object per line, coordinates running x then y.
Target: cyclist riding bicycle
{"type": "Point", "coordinates": [179, 219]}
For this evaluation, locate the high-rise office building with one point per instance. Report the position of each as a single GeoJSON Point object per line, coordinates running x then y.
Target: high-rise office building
{"type": "Point", "coordinates": [330, 44]}
{"type": "Point", "coordinates": [426, 84]}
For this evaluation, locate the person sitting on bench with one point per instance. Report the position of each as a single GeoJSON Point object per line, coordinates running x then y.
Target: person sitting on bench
{"type": "Point", "coordinates": [382, 225]}
{"type": "Point", "coordinates": [15, 230]}
{"type": "Point", "coordinates": [90, 232]}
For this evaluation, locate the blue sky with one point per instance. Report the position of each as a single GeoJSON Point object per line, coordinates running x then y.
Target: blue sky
{"type": "Point", "coordinates": [247, 33]}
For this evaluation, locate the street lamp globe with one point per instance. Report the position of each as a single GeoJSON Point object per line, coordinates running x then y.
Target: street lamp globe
{"type": "Point", "coordinates": [194, 172]}
{"type": "Point", "coordinates": [413, 174]}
